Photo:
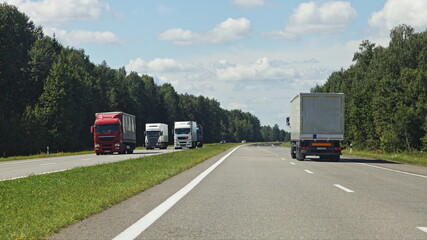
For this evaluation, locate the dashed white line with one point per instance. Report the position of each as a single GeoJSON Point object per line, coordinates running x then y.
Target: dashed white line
{"type": "Point", "coordinates": [292, 163]}
{"type": "Point", "coordinates": [85, 159]}
{"type": "Point", "coordinates": [283, 159]}
{"type": "Point", "coordinates": [424, 229]}
{"type": "Point", "coordinates": [137, 228]}
{"type": "Point", "coordinates": [308, 171]}
{"type": "Point", "coordinates": [343, 188]}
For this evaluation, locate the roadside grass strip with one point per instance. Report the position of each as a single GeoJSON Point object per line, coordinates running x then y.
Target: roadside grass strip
{"type": "Point", "coordinates": [38, 206]}
{"type": "Point", "coordinates": [414, 157]}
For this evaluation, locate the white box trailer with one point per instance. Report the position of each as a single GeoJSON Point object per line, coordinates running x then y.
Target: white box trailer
{"type": "Point", "coordinates": [156, 135]}
{"type": "Point", "coordinates": [185, 134]}
{"type": "Point", "coordinates": [317, 125]}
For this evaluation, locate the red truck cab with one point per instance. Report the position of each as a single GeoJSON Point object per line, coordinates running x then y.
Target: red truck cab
{"type": "Point", "coordinates": [114, 132]}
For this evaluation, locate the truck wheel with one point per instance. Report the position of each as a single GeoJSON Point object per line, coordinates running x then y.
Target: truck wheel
{"type": "Point", "coordinates": [299, 156]}
{"type": "Point", "coordinates": [335, 158]}
{"type": "Point", "coordinates": [129, 151]}
{"type": "Point", "coordinates": [293, 154]}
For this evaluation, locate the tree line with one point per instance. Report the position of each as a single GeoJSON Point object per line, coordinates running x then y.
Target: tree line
{"type": "Point", "coordinates": [386, 93]}
{"type": "Point", "coordinates": [50, 93]}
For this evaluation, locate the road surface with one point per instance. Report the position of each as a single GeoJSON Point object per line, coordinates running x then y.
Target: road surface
{"type": "Point", "coordinates": [23, 168]}
{"type": "Point", "coordinates": [259, 192]}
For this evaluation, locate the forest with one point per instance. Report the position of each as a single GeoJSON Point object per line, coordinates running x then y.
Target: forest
{"type": "Point", "coordinates": [50, 94]}
{"type": "Point", "coordinates": [386, 93]}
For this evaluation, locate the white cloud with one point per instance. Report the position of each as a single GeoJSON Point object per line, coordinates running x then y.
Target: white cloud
{"type": "Point", "coordinates": [395, 12]}
{"type": "Point", "coordinates": [259, 70]}
{"type": "Point", "coordinates": [77, 37]}
{"type": "Point", "coordinates": [236, 105]}
{"type": "Point", "coordinates": [312, 18]}
{"type": "Point", "coordinates": [248, 3]}
{"type": "Point", "coordinates": [226, 31]}
{"type": "Point", "coordinates": [159, 66]}
{"type": "Point", "coordinates": [57, 13]}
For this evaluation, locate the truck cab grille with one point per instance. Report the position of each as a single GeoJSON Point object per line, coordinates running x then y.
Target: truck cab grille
{"type": "Point", "coordinates": [106, 138]}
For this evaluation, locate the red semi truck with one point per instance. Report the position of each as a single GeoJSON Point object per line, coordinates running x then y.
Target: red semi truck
{"type": "Point", "coordinates": [114, 132]}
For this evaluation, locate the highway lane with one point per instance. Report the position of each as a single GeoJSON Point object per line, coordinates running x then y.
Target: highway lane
{"type": "Point", "coordinates": [259, 192]}
{"type": "Point", "coordinates": [24, 168]}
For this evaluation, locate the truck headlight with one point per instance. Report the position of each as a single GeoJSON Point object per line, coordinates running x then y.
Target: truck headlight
{"type": "Point", "coordinates": [97, 145]}
{"type": "Point", "coordinates": [117, 145]}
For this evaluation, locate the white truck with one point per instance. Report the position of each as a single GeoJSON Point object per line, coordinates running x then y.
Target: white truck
{"type": "Point", "coordinates": [156, 135]}
{"type": "Point", "coordinates": [317, 125]}
{"type": "Point", "coordinates": [185, 134]}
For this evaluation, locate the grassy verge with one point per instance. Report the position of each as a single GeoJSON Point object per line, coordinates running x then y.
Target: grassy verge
{"type": "Point", "coordinates": [415, 158]}
{"type": "Point", "coordinates": [38, 206]}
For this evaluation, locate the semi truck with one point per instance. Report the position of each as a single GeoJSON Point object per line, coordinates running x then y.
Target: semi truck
{"type": "Point", "coordinates": [185, 134]}
{"type": "Point", "coordinates": [156, 135]}
{"type": "Point", "coordinates": [317, 125]}
{"type": "Point", "coordinates": [114, 132]}
{"type": "Point", "coordinates": [199, 130]}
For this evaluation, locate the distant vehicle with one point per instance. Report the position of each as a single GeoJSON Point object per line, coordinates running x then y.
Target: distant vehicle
{"type": "Point", "coordinates": [222, 141]}
{"type": "Point", "coordinates": [243, 141]}
{"type": "Point", "coordinates": [199, 130]}
{"type": "Point", "coordinates": [156, 135]}
{"type": "Point", "coordinates": [317, 125]}
{"type": "Point", "coordinates": [185, 134]}
{"type": "Point", "coordinates": [114, 132]}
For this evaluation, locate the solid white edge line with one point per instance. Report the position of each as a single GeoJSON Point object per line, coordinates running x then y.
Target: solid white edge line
{"type": "Point", "coordinates": [343, 188]}
{"type": "Point", "coordinates": [138, 227]}
{"type": "Point", "coordinates": [424, 229]}
{"type": "Point", "coordinates": [308, 171]}
{"type": "Point", "coordinates": [43, 173]}
{"type": "Point", "coordinates": [392, 170]}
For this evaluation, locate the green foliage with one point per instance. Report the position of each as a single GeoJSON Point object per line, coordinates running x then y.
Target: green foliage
{"type": "Point", "coordinates": [386, 93]}
{"type": "Point", "coordinates": [50, 94]}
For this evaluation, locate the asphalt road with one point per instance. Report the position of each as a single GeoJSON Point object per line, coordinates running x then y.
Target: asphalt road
{"type": "Point", "coordinates": [23, 168]}
{"type": "Point", "coordinates": [259, 192]}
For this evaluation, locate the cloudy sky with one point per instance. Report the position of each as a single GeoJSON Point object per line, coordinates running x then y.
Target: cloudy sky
{"type": "Point", "coordinates": [253, 55]}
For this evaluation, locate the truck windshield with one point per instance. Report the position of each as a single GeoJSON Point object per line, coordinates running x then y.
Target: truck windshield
{"type": "Point", "coordinates": [182, 130]}
{"type": "Point", "coordinates": [107, 128]}
{"type": "Point", "coordinates": [153, 133]}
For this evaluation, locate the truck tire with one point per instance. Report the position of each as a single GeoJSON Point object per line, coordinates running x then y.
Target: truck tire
{"type": "Point", "coordinates": [293, 154]}
{"type": "Point", "coordinates": [300, 156]}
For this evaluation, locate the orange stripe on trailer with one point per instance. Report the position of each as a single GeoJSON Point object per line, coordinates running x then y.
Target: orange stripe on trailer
{"type": "Point", "coordinates": [321, 144]}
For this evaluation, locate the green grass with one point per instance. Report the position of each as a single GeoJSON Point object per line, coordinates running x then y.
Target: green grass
{"type": "Point", "coordinates": [415, 157]}
{"type": "Point", "coordinates": [36, 207]}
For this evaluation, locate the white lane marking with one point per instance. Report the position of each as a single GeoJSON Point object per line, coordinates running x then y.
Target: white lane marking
{"type": "Point", "coordinates": [424, 229]}
{"type": "Point", "coordinates": [46, 164]}
{"type": "Point", "coordinates": [85, 159]}
{"type": "Point", "coordinates": [292, 163]}
{"type": "Point", "coordinates": [392, 170]}
{"type": "Point", "coordinates": [13, 178]}
{"type": "Point", "coordinates": [308, 171]}
{"type": "Point", "coordinates": [283, 159]}
{"type": "Point", "coordinates": [343, 188]}
{"type": "Point", "coordinates": [137, 228]}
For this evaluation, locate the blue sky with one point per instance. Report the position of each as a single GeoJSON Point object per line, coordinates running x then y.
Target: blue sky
{"type": "Point", "coordinates": [253, 55]}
